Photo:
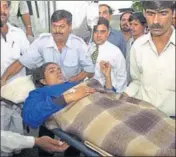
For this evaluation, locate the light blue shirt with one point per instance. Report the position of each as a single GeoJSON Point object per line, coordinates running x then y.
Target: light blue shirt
{"type": "Point", "coordinates": [73, 59]}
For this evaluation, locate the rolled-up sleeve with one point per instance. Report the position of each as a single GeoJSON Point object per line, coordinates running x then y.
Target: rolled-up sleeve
{"type": "Point", "coordinates": [32, 58]}
{"type": "Point", "coordinates": [134, 86]}
{"type": "Point", "coordinates": [85, 60]}
{"type": "Point", "coordinates": [11, 141]}
{"type": "Point", "coordinates": [23, 7]}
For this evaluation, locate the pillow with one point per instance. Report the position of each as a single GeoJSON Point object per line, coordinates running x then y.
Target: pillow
{"type": "Point", "coordinates": [18, 89]}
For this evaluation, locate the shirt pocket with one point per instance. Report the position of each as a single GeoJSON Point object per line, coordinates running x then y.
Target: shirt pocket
{"type": "Point", "coordinates": [71, 67]}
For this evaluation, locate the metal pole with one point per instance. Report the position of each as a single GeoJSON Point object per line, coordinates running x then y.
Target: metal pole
{"type": "Point", "coordinates": [49, 10]}
{"type": "Point", "coordinates": [54, 5]}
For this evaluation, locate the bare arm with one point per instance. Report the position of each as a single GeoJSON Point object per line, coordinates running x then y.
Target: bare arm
{"type": "Point", "coordinates": [81, 76]}
{"type": "Point", "coordinates": [27, 23]}
{"type": "Point", "coordinates": [79, 93]}
{"type": "Point", "coordinates": [13, 69]}
{"type": "Point", "coordinates": [105, 68]}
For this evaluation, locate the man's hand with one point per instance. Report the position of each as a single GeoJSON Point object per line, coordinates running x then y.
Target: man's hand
{"type": "Point", "coordinates": [79, 93]}
{"type": "Point", "coordinates": [105, 68]}
{"type": "Point", "coordinates": [80, 77]}
{"type": "Point", "coordinates": [51, 145]}
{"type": "Point", "coordinates": [3, 82]}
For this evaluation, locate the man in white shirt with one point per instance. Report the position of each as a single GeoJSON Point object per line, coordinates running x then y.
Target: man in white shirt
{"type": "Point", "coordinates": [13, 44]}
{"type": "Point", "coordinates": [11, 142]}
{"type": "Point", "coordinates": [153, 59]}
{"type": "Point", "coordinates": [85, 16]}
{"type": "Point", "coordinates": [107, 55]}
{"type": "Point", "coordinates": [25, 21]}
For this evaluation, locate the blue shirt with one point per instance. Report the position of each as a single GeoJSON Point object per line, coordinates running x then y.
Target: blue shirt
{"type": "Point", "coordinates": [73, 58]}
{"type": "Point", "coordinates": [39, 105]}
{"type": "Point", "coordinates": [117, 38]}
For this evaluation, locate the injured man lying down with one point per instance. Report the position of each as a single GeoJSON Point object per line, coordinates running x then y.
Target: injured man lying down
{"type": "Point", "coordinates": [95, 115]}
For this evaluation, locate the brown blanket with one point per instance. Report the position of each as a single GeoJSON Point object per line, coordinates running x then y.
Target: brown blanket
{"type": "Point", "coordinates": [121, 128]}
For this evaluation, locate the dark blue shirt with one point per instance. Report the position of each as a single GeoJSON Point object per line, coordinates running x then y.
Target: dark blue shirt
{"type": "Point", "coordinates": [39, 105]}
{"type": "Point", "coordinates": [117, 38]}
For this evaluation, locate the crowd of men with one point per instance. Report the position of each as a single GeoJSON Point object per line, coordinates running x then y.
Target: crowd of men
{"type": "Point", "coordinates": [140, 56]}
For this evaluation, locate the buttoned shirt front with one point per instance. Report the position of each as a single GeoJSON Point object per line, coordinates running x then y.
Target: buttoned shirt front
{"type": "Point", "coordinates": [153, 75]}
{"type": "Point", "coordinates": [12, 48]}
{"type": "Point", "coordinates": [111, 53]}
{"type": "Point", "coordinates": [73, 58]}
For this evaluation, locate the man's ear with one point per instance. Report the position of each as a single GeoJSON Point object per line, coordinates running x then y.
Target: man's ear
{"type": "Point", "coordinates": [42, 81]}
{"type": "Point", "coordinates": [108, 32]}
{"type": "Point", "coordinates": [110, 17]}
{"type": "Point", "coordinates": [144, 12]}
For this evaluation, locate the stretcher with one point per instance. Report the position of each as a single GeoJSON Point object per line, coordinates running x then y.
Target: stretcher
{"type": "Point", "coordinates": [11, 96]}
{"type": "Point", "coordinates": [134, 114]}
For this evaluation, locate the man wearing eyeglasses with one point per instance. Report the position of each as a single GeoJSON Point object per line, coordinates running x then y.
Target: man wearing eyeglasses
{"type": "Point", "coordinates": [61, 47]}
{"type": "Point", "coordinates": [107, 57]}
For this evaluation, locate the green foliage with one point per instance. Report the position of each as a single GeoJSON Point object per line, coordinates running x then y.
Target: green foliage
{"type": "Point", "coordinates": [137, 6]}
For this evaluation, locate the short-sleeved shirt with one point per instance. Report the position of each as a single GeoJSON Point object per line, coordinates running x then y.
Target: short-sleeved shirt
{"type": "Point", "coordinates": [15, 6]}
{"type": "Point", "coordinates": [117, 38]}
{"type": "Point", "coordinates": [12, 48]}
{"type": "Point", "coordinates": [153, 74]}
{"type": "Point", "coordinates": [73, 58]}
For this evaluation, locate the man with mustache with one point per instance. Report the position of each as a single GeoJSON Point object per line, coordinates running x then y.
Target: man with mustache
{"type": "Point", "coordinates": [138, 25]}
{"type": "Point", "coordinates": [152, 61]}
{"type": "Point", "coordinates": [61, 47]}
{"type": "Point", "coordinates": [125, 25]}
{"type": "Point", "coordinates": [13, 44]}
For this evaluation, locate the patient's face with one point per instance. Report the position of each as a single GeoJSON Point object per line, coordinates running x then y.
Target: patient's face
{"type": "Point", "coordinates": [53, 75]}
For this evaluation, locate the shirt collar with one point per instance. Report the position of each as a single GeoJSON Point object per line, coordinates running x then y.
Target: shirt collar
{"type": "Point", "coordinates": [148, 37]}
{"type": "Point", "coordinates": [111, 30]}
{"type": "Point", "coordinates": [171, 40]}
{"type": "Point", "coordinates": [52, 43]}
{"type": "Point", "coordinates": [11, 28]}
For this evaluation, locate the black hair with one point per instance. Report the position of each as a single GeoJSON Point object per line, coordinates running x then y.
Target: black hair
{"type": "Point", "coordinates": [39, 73]}
{"type": "Point", "coordinates": [138, 16]}
{"type": "Point", "coordinates": [126, 12]}
{"type": "Point", "coordinates": [61, 14]}
{"type": "Point", "coordinates": [102, 21]}
{"type": "Point", "coordinates": [157, 4]}
{"type": "Point", "coordinates": [109, 8]}
{"type": "Point", "coordinates": [9, 3]}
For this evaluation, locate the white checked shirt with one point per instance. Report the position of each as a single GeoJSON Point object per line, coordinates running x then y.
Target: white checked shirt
{"type": "Point", "coordinates": [153, 75]}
